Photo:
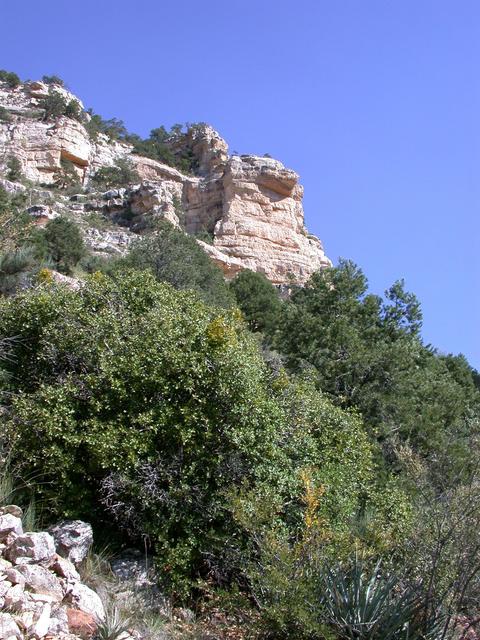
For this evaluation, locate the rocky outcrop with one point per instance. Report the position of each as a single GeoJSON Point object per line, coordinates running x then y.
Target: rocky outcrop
{"type": "Point", "coordinates": [73, 539]}
{"type": "Point", "coordinates": [249, 207]}
{"type": "Point", "coordinates": [41, 145]}
{"type": "Point", "coordinates": [41, 594]}
{"type": "Point", "coordinates": [263, 223]}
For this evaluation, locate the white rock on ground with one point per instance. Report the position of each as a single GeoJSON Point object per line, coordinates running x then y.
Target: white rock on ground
{"type": "Point", "coordinates": [41, 624]}
{"type": "Point", "coordinates": [10, 524]}
{"type": "Point", "coordinates": [85, 599]}
{"type": "Point", "coordinates": [8, 627]}
{"type": "Point", "coordinates": [41, 581]}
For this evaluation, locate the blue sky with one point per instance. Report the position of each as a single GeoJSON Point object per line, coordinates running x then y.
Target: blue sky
{"type": "Point", "coordinates": [376, 103]}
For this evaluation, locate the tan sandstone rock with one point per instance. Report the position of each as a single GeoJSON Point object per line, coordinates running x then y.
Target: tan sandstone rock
{"type": "Point", "coordinates": [250, 206]}
{"type": "Point", "coordinates": [263, 222]}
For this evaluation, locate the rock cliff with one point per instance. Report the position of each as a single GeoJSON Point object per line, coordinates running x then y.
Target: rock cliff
{"type": "Point", "coordinates": [249, 207]}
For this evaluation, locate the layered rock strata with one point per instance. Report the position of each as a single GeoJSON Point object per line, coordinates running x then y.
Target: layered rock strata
{"type": "Point", "coordinates": [248, 207]}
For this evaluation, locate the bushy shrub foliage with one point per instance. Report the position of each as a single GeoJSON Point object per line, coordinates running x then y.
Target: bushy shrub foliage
{"type": "Point", "coordinates": [139, 400]}
{"type": "Point", "coordinates": [67, 177]}
{"type": "Point", "coordinates": [53, 80]}
{"type": "Point", "coordinates": [122, 174]}
{"type": "Point", "coordinates": [14, 169]}
{"type": "Point", "coordinates": [10, 78]}
{"type": "Point", "coordinates": [5, 115]}
{"type": "Point", "coordinates": [259, 300]}
{"type": "Point", "coordinates": [170, 147]}
{"type": "Point", "coordinates": [64, 243]}
{"type": "Point", "coordinates": [56, 105]}
{"type": "Point", "coordinates": [176, 258]}
{"type": "Point", "coordinates": [368, 353]}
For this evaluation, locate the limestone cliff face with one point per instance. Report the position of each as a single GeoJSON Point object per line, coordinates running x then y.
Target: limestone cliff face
{"type": "Point", "coordinates": [263, 224]}
{"type": "Point", "coordinates": [250, 206]}
{"type": "Point", "coordinates": [41, 145]}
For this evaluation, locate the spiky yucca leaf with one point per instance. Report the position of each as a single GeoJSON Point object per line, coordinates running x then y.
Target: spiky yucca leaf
{"type": "Point", "coordinates": [366, 604]}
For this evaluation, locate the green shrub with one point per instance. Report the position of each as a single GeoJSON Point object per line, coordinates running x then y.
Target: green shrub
{"type": "Point", "coordinates": [176, 258]}
{"type": "Point", "coordinates": [16, 268]}
{"type": "Point", "coordinates": [365, 603]}
{"type": "Point", "coordinates": [5, 115]}
{"type": "Point", "coordinates": [113, 624]}
{"type": "Point", "coordinates": [15, 223]}
{"type": "Point", "coordinates": [67, 178]}
{"type": "Point", "coordinates": [122, 174]}
{"type": "Point", "coordinates": [14, 169]}
{"type": "Point", "coordinates": [113, 128]}
{"type": "Point", "coordinates": [56, 105]}
{"type": "Point", "coordinates": [148, 393]}
{"type": "Point", "coordinates": [258, 299]}
{"type": "Point", "coordinates": [170, 147]}
{"type": "Point", "coordinates": [73, 110]}
{"type": "Point", "coordinates": [53, 80]}
{"type": "Point", "coordinates": [64, 243]}
{"type": "Point", "coordinates": [10, 78]}
{"type": "Point", "coordinates": [368, 354]}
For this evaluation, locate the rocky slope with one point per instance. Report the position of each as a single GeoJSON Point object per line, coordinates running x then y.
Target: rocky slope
{"type": "Point", "coordinates": [41, 594]}
{"type": "Point", "coordinates": [250, 206]}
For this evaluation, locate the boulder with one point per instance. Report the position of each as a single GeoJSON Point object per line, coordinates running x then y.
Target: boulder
{"type": "Point", "coordinates": [16, 599]}
{"type": "Point", "coordinates": [12, 509]}
{"type": "Point", "coordinates": [5, 585]}
{"type": "Point", "coordinates": [8, 627]}
{"type": "Point", "coordinates": [73, 539]}
{"type": "Point", "coordinates": [135, 567]}
{"type": "Point", "coordinates": [10, 524]}
{"type": "Point", "coordinates": [14, 576]}
{"type": "Point", "coordinates": [81, 624]}
{"type": "Point", "coordinates": [41, 581]}
{"type": "Point", "coordinates": [31, 548]}
{"type": "Point", "coordinates": [65, 569]}
{"type": "Point", "coordinates": [42, 212]}
{"type": "Point", "coordinates": [83, 598]}
{"type": "Point", "coordinates": [58, 621]}
{"type": "Point", "coordinates": [25, 619]}
{"type": "Point", "coordinates": [41, 624]}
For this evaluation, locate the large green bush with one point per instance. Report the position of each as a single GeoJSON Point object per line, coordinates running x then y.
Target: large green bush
{"type": "Point", "coordinates": [368, 353]}
{"type": "Point", "coordinates": [130, 398]}
{"type": "Point", "coordinates": [122, 174]}
{"type": "Point", "coordinates": [56, 105]}
{"type": "Point", "coordinates": [19, 260]}
{"type": "Point", "coordinates": [170, 147]}
{"type": "Point", "coordinates": [10, 78]}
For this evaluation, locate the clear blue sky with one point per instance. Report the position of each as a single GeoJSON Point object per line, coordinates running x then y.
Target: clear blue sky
{"type": "Point", "coordinates": [376, 103]}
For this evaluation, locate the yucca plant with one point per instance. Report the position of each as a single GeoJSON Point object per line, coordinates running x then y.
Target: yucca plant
{"type": "Point", "coordinates": [113, 624]}
{"type": "Point", "coordinates": [361, 603]}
